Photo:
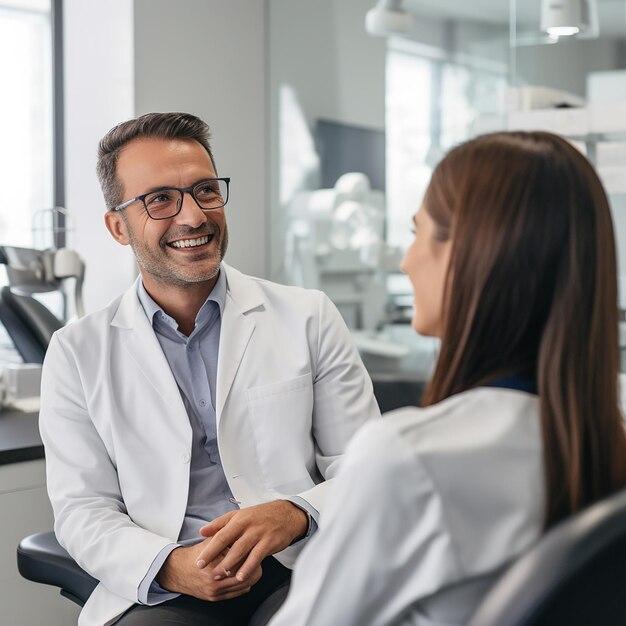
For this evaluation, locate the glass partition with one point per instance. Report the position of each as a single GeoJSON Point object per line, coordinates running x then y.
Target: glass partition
{"type": "Point", "coordinates": [383, 110]}
{"type": "Point", "coordinates": [576, 86]}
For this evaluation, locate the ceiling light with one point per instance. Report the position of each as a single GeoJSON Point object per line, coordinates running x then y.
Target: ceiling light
{"type": "Point", "coordinates": [388, 18]}
{"type": "Point", "coordinates": [565, 18]}
{"type": "Point", "coordinates": [562, 31]}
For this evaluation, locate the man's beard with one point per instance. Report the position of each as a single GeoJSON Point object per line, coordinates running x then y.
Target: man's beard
{"type": "Point", "coordinates": [162, 267]}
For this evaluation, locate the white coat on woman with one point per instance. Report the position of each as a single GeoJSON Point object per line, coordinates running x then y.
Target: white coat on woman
{"type": "Point", "coordinates": [427, 509]}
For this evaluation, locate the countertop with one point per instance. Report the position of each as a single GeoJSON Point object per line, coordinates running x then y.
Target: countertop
{"type": "Point", "coordinates": [19, 436]}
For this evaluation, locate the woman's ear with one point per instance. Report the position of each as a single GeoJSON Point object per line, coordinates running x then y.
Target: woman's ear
{"type": "Point", "coordinates": [116, 225]}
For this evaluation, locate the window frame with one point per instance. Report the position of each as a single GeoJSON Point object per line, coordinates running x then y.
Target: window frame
{"type": "Point", "coordinates": [58, 119]}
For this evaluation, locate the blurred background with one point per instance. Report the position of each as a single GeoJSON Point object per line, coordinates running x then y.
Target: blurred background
{"type": "Point", "coordinates": [329, 116]}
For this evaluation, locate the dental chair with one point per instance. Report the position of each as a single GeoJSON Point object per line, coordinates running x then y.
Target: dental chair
{"type": "Point", "coordinates": [28, 322]}
{"type": "Point", "coordinates": [575, 575]}
{"type": "Point", "coordinates": [41, 559]}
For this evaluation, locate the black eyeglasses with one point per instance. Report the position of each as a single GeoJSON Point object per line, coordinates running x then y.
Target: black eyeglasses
{"type": "Point", "coordinates": [209, 194]}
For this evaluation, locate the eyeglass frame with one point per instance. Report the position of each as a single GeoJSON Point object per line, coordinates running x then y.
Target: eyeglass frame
{"type": "Point", "coordinates": [183, 191]}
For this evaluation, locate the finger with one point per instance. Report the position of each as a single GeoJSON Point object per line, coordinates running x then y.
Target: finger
{"type": "Point", "coordinates": [229, 584]}
{"type": "Point", "coordinates": [236, 556]}
{"type": "Point", "coordinates": [217, 524]}
{"type": "Point", "coordinates": [218, 544]}
{"type": "Point", "coordinates": [254, 578]}
{"type": "Point", "coordinates": [230, 595]}
{"type": "Point", "coordinates": [257, 554]}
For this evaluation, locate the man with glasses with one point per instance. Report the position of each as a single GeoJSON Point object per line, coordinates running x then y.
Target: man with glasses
{"type": "Point", "coordinates": [191, 426]}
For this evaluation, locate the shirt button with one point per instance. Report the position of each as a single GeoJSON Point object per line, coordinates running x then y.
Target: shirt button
{"type": "Point", "coordinates": [202, 403]}
{"type": "Point", "coordinates": [185, 457]}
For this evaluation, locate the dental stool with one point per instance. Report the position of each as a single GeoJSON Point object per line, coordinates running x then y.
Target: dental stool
{"type": "Point", "coordinates": [41, 559]}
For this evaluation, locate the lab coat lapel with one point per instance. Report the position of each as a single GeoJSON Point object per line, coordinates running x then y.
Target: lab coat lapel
{"type": "Point", "coordinates": [142, 346]}
{"type": "Point", "coordinates": [242, 296]}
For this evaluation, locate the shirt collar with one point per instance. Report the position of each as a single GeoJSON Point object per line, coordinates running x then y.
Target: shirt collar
{"type": "Point", "coordinates": [217, 295]}
{"type": "Point", "coordinates": [519, 383]}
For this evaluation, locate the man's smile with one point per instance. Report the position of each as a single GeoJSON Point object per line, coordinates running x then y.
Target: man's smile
{"type": "Point", "coordinates": [191, 242]}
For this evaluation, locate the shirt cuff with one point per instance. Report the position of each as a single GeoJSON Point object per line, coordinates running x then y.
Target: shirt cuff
{"type": "Point", "coordinates": [149, 591]}
{"type": "Point", "coordinates": [311, 512]}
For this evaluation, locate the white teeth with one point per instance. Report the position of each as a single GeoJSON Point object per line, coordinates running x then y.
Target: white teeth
{"type": "Point", "coordinates": [190, 243]}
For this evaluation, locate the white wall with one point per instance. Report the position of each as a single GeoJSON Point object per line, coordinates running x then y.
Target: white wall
{"type": "Point", "coordinates": [207, 57]}
{"type": "Point", "coordinates": [98, 49]}
{"type": "Point", "coordinates": [321, 49]}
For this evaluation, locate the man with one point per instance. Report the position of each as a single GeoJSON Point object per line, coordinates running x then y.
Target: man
{"type": "Point", "coordinates": [201, 399]}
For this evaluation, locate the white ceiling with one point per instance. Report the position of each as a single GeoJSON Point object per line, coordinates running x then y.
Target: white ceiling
{"type": "Point", "coordinates": [611, 13]}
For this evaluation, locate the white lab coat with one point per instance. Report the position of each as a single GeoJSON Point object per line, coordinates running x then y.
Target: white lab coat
{"type": "Point", "coordinates": [428, 507]}
{"type": "Point", "coordinates": [291, 391]}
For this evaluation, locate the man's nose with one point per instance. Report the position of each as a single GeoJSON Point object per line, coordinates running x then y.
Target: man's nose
{"type": "Point", "coordinates": [190, 213]}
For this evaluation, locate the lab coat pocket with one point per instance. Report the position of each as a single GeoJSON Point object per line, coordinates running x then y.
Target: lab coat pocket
{"type": "Point", "coordinates": [281, 419]}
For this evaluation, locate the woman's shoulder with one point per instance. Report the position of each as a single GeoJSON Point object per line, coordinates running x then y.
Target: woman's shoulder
{"type": "Point", "coordinates": [473, 415]}
{"type": "Point", "coordinates": [477, 456]}
{"type": "Point", "coordinates": [478, 423]}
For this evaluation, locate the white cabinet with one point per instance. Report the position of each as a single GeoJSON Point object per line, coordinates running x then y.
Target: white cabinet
{"type": "Point", "coordinates": [25, 510]}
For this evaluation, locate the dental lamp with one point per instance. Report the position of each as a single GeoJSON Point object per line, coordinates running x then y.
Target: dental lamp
{"type": "Point", "coordinates": [388, 18]}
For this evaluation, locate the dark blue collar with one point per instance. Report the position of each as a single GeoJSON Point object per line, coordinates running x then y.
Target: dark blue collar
{"type": "Point", "coordinates": [519, 383]}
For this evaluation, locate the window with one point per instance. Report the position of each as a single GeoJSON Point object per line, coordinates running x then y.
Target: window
{"type": "Point", "coordinates": [26, 117]}
{"type": "Point", "coordinates": [432, 102]}
{"type": "Point", "coordinates": [27, 164]}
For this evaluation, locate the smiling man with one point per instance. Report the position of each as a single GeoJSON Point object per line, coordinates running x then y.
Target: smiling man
{"type": "Point", "coordinates": [192, 425]}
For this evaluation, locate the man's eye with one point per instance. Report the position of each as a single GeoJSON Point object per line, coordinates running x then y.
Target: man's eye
{"type": "Point", "coordinates": [158, 198]}
{"type": "Point", "coordinates": [207, 190]}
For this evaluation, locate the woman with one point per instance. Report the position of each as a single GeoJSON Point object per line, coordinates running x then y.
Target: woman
{"type": "Point", "coordinates": [513, 267]}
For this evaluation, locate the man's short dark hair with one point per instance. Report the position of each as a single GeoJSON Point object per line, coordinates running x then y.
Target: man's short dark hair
{"type": "Point", "coordinates": [154, 125]}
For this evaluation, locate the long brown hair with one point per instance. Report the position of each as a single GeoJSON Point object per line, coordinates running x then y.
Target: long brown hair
{"type": "Point", "coordinates": [532, 290]}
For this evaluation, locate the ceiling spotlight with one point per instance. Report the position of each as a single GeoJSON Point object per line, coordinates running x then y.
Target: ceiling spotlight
{"type": "Point", "coordinates": [388, 18]}
{"type": "Point", "coordinates": [564, 18]}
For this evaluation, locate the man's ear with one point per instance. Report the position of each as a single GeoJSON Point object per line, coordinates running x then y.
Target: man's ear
{"type": "Point", "coordinates": [116, 225]}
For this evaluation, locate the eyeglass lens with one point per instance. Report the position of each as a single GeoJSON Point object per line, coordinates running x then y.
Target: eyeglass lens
{"type": "Point", "coordinates": [211, 194]}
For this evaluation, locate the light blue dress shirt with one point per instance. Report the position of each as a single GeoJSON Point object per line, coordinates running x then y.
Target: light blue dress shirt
{"type": "Point", "coordinates": [193, 361]}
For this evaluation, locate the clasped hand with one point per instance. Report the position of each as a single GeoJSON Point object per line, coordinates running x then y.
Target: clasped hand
{"type": "Point", "coordinates": [248, 536]}
{"type": "Point", "coordinates": [179, 574]}
{"type": "Point", "coordinates": [228, 563]}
